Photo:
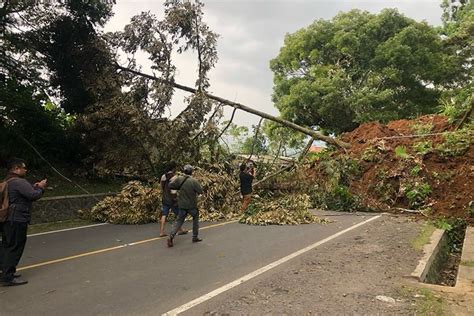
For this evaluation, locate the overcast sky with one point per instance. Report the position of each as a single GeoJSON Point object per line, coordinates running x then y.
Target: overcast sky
{"type": "Point", "coordinates": [251, 34]}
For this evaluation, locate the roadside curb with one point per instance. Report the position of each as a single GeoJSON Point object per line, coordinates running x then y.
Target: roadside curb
{"type": "Point", "coordinates": [430, 259]}
{"type": "Point", "coordinates": [425, 272]}
{"type": "Point", "coordinates": [465, 276]}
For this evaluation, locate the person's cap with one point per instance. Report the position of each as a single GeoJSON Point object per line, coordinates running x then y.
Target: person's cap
{"type": "Point", "coordinates": [188, 168]}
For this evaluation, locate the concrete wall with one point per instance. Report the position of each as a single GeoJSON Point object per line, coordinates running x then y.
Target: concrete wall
{"type": "Point", "coordinates": [62, 208]}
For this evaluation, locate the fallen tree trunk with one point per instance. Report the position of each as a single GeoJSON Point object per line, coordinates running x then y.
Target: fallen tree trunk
{"type": "Point", "coordinates": [304, 130]}
{"type": "Point", "coordinates": [300, 158]}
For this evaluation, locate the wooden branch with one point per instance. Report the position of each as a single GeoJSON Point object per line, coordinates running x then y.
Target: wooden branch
{"type": "Point", "coordinates": [277, 155]}
{"type": "Point", "coordinates": [225, 143]}
{"type": "Point", "coordinates": [235, 105]}
{"type": "Point", "coordinates": [274, 174]}
{"type": "Point", "coordinates": [255, 138]}
{"type": "Point", "coordinates": [210, 119]}
{"type": "Point", "coordinates": [467, 114]}
{"type": "Point", "coordinates": [228, 124]}
{"type": "Point", "coordinates": [302, 155]}
{"type": "Point", "coordinates": [305, 150]}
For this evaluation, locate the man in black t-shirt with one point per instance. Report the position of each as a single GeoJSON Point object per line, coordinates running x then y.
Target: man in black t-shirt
{"type": "Point", "coordinates": [247, 174]}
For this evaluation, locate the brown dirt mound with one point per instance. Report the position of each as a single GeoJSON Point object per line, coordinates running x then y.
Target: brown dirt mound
{"type": "Point", "coordinates": [368, 131]}
{"type": "Point", "coordinates": [387, 177]}
{"type": "Point", "coordinates": [406, 127]}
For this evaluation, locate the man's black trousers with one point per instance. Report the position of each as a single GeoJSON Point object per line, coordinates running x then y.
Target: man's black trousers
{"type": "Point", "coordinates": [13, 244]}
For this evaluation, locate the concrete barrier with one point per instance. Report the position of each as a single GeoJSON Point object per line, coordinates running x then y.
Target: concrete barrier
{"type": "Point", "coordinates": [60, 208]}
{"type": "Point", "coordinates": [465, 276]}
{"type": "Point", "coordinates": [434, 255]}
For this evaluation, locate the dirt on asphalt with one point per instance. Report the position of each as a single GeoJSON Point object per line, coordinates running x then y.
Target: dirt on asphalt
{"type": "Point", "coordinates": [343, 276]}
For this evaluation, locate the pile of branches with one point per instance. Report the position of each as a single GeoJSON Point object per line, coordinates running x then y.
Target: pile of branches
{"type": "Point", "coordinates": [281, 210]}
{"type": "Point", "coordinates": [220, 199]}
{"type": "Point", "coordinates": [134, 204]}
{"type": "Point", "coordinates": [139, 203]}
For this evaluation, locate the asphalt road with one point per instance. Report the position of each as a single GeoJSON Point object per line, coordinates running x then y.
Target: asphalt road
{"type": "Point", "coordinates": [127, 270]}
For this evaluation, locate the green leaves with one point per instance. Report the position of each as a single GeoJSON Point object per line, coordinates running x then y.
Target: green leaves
{"type": "Point", "coordinates": [356, 68]}
{"type": "Point", "coordinates": [280, 210]}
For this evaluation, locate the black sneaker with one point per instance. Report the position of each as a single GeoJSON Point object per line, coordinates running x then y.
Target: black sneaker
{"type": "Point", "coordinates": [196, 239]}
{"type": "Point", "coordinates": [14, 282]}
{"type": "Point", "coordinates": [169, 241]}
{"type": "Point", "coordinates": [16, 275]}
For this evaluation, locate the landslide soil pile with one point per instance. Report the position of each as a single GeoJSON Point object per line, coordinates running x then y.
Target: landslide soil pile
{"type": "Point", "coordinates": [421, 164]}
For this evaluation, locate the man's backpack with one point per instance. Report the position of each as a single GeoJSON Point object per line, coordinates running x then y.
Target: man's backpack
{"type": "Point", "coordinates": [4, 205]}
{"type": "Point", "coordinates": [170, 194]}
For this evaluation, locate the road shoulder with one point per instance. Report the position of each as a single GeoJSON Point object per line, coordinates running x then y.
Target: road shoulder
{"type": "Point", "coordinates": [343, 276]}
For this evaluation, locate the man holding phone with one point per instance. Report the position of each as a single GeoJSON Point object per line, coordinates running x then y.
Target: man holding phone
{"type": "Point", "coordinates": [21, 195]}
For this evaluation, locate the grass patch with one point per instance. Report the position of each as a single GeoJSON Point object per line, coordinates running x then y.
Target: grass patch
{"type": "Point", "coordinates": [423, 237]}
{"type": "Point", "coordinates": [47, 227]}
{"type": "Point", "coordinates": [426, 302]}
{"type": "Point", "coordinates": [468, 263]}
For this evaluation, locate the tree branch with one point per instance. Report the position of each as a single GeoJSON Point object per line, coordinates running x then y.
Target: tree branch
{"type": "Point", "coordinates": [307, 131]}
{"type": "Point", "coordinates": [228, 124]}
{"type": "Point", "coordinates": [255, 139]}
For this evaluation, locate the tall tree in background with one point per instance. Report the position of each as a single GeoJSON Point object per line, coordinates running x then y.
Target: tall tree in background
{"type": "Point", "coordinates": [120, 116]}
{"type": "Point", "coordinates": [458, 34]}
{"type": "Point", "coordinates": [359, 67]}
{"type": "Point", "coordinates": [42, 56]}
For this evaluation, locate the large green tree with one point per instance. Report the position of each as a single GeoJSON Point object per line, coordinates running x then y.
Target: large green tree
{"type": "Point", "coordinates": [49, 48]}
{"type": "Point", "coordinates": [359, 67]}
{"type": "Point", "coordinates": [458, 34]}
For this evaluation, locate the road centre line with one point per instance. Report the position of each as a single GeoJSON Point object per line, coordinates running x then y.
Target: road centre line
{"type": "Point", "coordinates": [67, 229]}
{"type": "Point", "coordinates": [109, 249]}
{"type": "Point", "coordinates": [247, 277]}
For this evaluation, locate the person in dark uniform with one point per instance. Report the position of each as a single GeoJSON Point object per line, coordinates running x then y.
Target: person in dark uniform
{"type": "Point", "coordinates": [247, 174]}
{"type": "Point", "coordinates": [21, 194]}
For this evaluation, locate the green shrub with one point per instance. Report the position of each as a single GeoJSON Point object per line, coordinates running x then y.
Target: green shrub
{"type": "Point", "coordinates": [420, 128]}
{"type": "Point", "coordinates": [337, 199]}
{"type": "Point", "coordinates": [381, 174]}
{"type": "Point", "coordinates": [455, 144]}
{"type": "Point", "coordinates": [401, 152]}
{"type": "Point", "coordinates": [417, 193]}
{"type": "Point", "coordinates": [385, 191]}
{"type": "Point", "coordinates": [370, 154]}
{"type": "Point", "coordinates": [415, 170]}
{"type": "Point", "coordinates": [455, 229]}
{"type": "Point", "coordinates": [423, 147]}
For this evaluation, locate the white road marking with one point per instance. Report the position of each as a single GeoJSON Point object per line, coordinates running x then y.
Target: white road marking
{"type": "Point", "coordinates": [67, 229]}
{"type": "Point", "coordinates": [264, 269]}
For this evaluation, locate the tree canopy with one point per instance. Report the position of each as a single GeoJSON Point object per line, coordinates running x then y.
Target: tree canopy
{"type": "Point", "coordinates": [360, 67]}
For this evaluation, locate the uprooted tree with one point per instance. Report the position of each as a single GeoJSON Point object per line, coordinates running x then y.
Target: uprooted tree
{"type": "Point", "coordinates": [119, 112]}
{"type": "Point", "coordinates": [131, 126]}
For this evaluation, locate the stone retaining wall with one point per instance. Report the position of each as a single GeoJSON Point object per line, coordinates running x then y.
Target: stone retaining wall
{"type": "Point", "coordinates": [60, 208]}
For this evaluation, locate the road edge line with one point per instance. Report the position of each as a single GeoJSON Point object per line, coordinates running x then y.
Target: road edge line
{"type": "Point", "coordinates": [251, 275]}
{"type": "Point", "coordinates": [66, 229]}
